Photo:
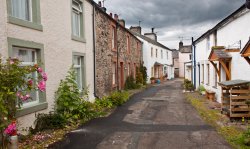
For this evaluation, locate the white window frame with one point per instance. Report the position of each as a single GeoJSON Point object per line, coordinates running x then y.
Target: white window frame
{"type": "Point", "coordinates": [23, 64]}
{"type": "Point", "coordinates": [30, 14]}
{"type": "Point", "coordinates": [114, 71]}
{"type": "Point", "coordinates": [78, 10]}
{"type": "Point", "coordinates": [79, 66]}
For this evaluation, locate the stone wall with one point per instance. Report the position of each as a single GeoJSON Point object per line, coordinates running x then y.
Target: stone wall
{"type": "Point", "coordinates": [105, 56]}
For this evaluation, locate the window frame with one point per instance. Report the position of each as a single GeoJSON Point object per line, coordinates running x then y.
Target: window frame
{"type": "Point", "coordinates": [114, 74]}
{"type": "Point", "coordinates": [80, 38]}
{"type": "Point", "coordinates": [42, 104]}
{"type": "Point", "coordinates": [128, 43]}
{"type": "Point", "coordinates": [208, 74]}
{"type": "Point", "coordinates": [152, 52]}
{"type": "Point", "coordinates": [83, 67]}
{"type": "Point", "coordinates": [35, 22]}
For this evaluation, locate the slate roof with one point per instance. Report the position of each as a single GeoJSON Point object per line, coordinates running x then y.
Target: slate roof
{"type": "Point", "coordinates": [220, 54]}
{"type": "Point", "coordinates": [152, 41]}
{"type": "Point", "coordinates": [233, 83]}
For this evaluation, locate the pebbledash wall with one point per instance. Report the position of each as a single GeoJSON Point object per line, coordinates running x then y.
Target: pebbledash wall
{"type": "Point", "coordinates": [235, 28]}
{"type": "Point", "coordinates": [106, 56]}
{"type": "Point", "coordinates": [54, 36]}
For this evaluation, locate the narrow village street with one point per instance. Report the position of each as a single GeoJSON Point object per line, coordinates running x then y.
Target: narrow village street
{"type": "Point", "coordinates": [158, 118]}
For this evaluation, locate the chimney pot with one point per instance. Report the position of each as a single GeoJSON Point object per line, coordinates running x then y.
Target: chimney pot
{"type": "Point", "coordinates": [111, 15]}
{"type": "Point", "coordinates": [116, 17]}
{"type": "Point", "coordinates": [153, 30]}
{"type": "Point", "coordinates": [100, 3]}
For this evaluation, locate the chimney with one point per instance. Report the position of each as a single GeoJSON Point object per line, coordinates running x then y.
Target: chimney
{"type": "Point", "coordinates": [180, 45]}
{"type": "Point", "coordinates": [136, 29]}
{"type": "Point", "coordinates": [104, 9]}
{"type": "Point", "coordinates": [116, 17]}
{"type": "Point", "coordinates": [99, 3]}
{"type": "Point", "coordinates": [153, 30]}
{"type": "Point", "coordinates": [122, 22]}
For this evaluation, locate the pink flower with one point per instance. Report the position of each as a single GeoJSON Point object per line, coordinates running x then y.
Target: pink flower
{"type": "Point", "coordinates": [26, 97]}
{"type": "Point", "coordinates": [11, 62]}
{"type": "Point", "coordinates": [18, 94]}
{"type": "Point", "coordinates": [42, 86]}
{"type": "Point", "coordinates": [11, 129]}
{"type": "Point", "coordinates": [30, 82]}
{"type": "Point", "coordinates": [39, 69]}
{"type": "Point", "coordinates": [44, 76]}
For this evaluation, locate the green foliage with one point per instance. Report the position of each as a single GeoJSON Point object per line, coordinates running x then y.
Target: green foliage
{"type": "Point", "coordinates": [118, 98]}
{"type": "Point", "coordinates": [202, 88]}
{"type": "Point", "coordinates": [152, 78]}
{"type": "Point", "coordinates": [105, 102]}
{"type": "Point", "coordinates": [139, 77]}
{"type": "Point", "coordinates": [72, 103]}
{"type": "Point", "coordinates": [48, 121]}
{"type": "Point", "coordinates": [188, 85]}
{"type": "Point", "coordinates": [130, 83]}
{"type": "Point", "coordinates": [143, 71]}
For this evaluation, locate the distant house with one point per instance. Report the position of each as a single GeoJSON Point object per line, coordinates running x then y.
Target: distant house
{"type": "Point", "coordinates": [176, 63]}
{"type": "Point", "coordinates": [117, 52]}
{"type": "Point", "coordinates": [157, 58]}
{"type": "Point", "coordinates": [185, 61]}
{"type": "Point", "coordinates": [222, 53]}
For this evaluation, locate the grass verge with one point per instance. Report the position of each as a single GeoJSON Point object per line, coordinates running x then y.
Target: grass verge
{"type": "Point", "coordinates": [235, 136]}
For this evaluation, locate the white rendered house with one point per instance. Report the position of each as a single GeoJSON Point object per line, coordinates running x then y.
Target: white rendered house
{"type": "Point", "coordinates": [219, 52]}
{"type": "Point", "coordinates": [185, 61]}
{"type": "Point", "coordinates": [58, 35]}
{"type": "Point", "coordinates": [157, 58]}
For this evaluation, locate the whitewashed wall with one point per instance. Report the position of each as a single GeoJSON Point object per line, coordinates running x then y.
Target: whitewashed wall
{"type": "Point", "coordinates": [58, 45]}
{"type": "Point", "coordinates": [227, 35]}
{"type": "Point", "coordinates": [150, 61]}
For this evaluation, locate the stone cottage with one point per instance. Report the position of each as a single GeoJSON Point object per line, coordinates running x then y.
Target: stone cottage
{"type": "Point", "coordinates": [117, 52]}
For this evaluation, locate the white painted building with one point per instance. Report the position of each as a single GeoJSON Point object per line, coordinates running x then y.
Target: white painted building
{"type": "Point", "coordinates": [228, 37]}
{"type": "Point", "coordinates": [185, 61]}
{"type": "Point", "coordinates": [157, 58]}
{"type": "Point", "coordinates": [59, 35]}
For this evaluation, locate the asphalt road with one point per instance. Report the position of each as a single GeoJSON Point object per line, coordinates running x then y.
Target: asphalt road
{"type": "Point", "coordinates": [158, 118]}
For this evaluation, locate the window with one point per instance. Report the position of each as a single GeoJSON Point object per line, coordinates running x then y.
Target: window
{"type": "Point", "coordinates": [128, 44]}
{"type": "Point", "coordinates": [152, 52]}
{"type": "Point", "coordinates": [114, 73]}
{"type": "Point", "coordinates": [21, 9]}
{"type": "Point", "coordinates": [78, 67]}
{"type": "Point", "coordinates": [215, 77]}
{"type": "Point", "coordinates": [30, 53]}
{"type": "Point", "coordinates": [129, 69]}
{"type": "Point", "coordinates": [167, 55]}
{"type": "Point", "coordinates": [134, 70]}
{"type": "Point", "coordinates": [113, 38]}
{"type": "Point", "coordinates": [208, 74]}
{"type": "Point", "coordinates": [76, 18]}
{"type": "Point", "coordinates": [156, 53]}
{"type": "Point", "coordinates": [190, 56]}
{"type": "Point", "coordinates": [152, 71]}
{"type": "Point", "coordinates": [28, 58]}
{"type": "Point", "coordinates": [24, 13]}
{"type": "Point", "coordinates": [202, 67]}
{"type": "Point", "coordinates": [208, 43]}
{"type": "Point", "coordinates": [161, 54]}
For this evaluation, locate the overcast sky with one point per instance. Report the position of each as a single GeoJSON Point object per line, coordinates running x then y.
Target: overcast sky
{"type": "Point", "coordinates": [173, 19]}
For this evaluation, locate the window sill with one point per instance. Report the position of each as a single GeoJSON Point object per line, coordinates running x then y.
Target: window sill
{"type": "Point", "coordinates": [24, 23]}
{"type": "Point", "coordinates": [79, 39]}
{"type": "Point", "coordinates": [215, 87]}
{"type": "Point", "coordinates": [31, 109]}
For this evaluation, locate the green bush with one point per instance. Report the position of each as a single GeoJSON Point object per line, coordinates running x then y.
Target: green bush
{"type": "Point", "coordinates": [188, 85]}
{"type": "Point", "coordinates": [48, 122]}
{"type": "Point", "coordinates": [118, 98]}
{"type": "Point", "coordinates": [143, 71]}
{"type": "Point", "coordinates": [71, 103]}
{"type": "Point", "coordinates": [105, 102]}
{"type": "Point", "coordinates": [202, 88]}
{"type": "Point", "coordinates": [130, 83]}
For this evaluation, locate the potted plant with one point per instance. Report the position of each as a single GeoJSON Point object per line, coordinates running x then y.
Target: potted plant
{"type": "Point", "coordinates": [11, 134]}
{"type": "Point", "coordinates": [152, 79]}
{"type": "Point", "coordinates": [202, 90]}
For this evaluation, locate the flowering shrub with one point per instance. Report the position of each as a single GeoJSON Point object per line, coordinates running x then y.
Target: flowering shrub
{"type": "Point", "coordinates": [16, 87]}
{"type": "Point", "coordinates": [11, 129]}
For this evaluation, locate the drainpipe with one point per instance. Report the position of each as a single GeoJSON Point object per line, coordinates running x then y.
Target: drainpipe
{"type": "Point", "coordinates": [94, 50]}
{"type": "Point", "coordinates": [117, 57]}
{"type": "Point", "coordinates": [194, 59]}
